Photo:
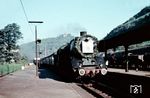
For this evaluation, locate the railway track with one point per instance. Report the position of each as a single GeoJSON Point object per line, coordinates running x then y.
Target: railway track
{"type": "Point", "coordinates": [96, 92]}
{"type": "Point", "coordinates": [100, 90]}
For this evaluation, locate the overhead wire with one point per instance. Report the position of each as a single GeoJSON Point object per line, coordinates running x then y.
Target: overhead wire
{"type": "Point", "coordinates": [23, 8]}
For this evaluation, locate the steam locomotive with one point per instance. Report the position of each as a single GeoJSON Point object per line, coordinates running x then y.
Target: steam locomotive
{"type": "Point", "coordinates": [78, 58]}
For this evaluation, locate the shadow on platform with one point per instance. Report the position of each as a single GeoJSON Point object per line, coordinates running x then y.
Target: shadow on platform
{"type": "Point", "coordinates": [48, 74]}
{"type": "Point", "coordinates": [45, 73]}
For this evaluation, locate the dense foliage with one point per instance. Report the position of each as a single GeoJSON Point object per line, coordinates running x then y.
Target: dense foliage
{"type": "Point", "coordinates": [9, 68]}
{"type": "Point", "coordinates": [138, 20]}
{"type": "Point", "coordinates": [9, 50]}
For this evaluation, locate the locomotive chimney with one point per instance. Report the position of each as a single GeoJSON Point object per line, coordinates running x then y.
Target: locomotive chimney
{"type": "Point", "coordinates": [82, 33]}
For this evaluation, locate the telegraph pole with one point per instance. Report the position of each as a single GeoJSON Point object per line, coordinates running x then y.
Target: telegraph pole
{"type": "Point", "coordinates": [36, 42]}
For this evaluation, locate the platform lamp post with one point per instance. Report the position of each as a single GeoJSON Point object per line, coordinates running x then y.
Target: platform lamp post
{"type": "Point", "coordinates": [36, 42]}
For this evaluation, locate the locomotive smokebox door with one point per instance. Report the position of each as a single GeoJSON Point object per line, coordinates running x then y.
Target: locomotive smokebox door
{"type": "Point", "coordinates": [87, 46]}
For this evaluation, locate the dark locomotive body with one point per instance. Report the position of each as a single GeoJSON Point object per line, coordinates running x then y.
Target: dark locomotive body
{"type": "Point", "coordinates": [79, 58]}
{"type": "Point", "coordinates": [85, 57]}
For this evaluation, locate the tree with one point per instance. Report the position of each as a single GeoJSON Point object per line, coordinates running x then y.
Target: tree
{"type": "Point", "coordinates": [2, 48]}
{"type": "Point", "coordinates": [8, 38]}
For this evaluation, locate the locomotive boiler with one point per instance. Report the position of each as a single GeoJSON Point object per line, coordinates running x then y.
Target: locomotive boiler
{"type": "Point", "coordinates": [81, 57]}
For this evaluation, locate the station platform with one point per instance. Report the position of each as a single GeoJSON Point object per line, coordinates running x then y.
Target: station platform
{"type": "Point", "coordinates": [24, 84]}
{"type": "Point", "coordinates": [130, 72]}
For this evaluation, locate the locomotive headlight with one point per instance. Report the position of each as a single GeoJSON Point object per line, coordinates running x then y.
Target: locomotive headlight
{"type": "Point", "coordinates": [81, 72]}
{"type": "Point", "coordinates": [106, 63]}
{"type": "Point", "coordinates": [103, 71]}
{"type": "Point", "coordinates": [101, 65]}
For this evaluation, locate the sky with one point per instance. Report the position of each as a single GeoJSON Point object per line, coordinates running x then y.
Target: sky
{"type": "Point", "coordinates": [97, 17]}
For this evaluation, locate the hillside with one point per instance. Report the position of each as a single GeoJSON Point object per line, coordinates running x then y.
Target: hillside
{"type": "Point", "coordinates": [47, 46]}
